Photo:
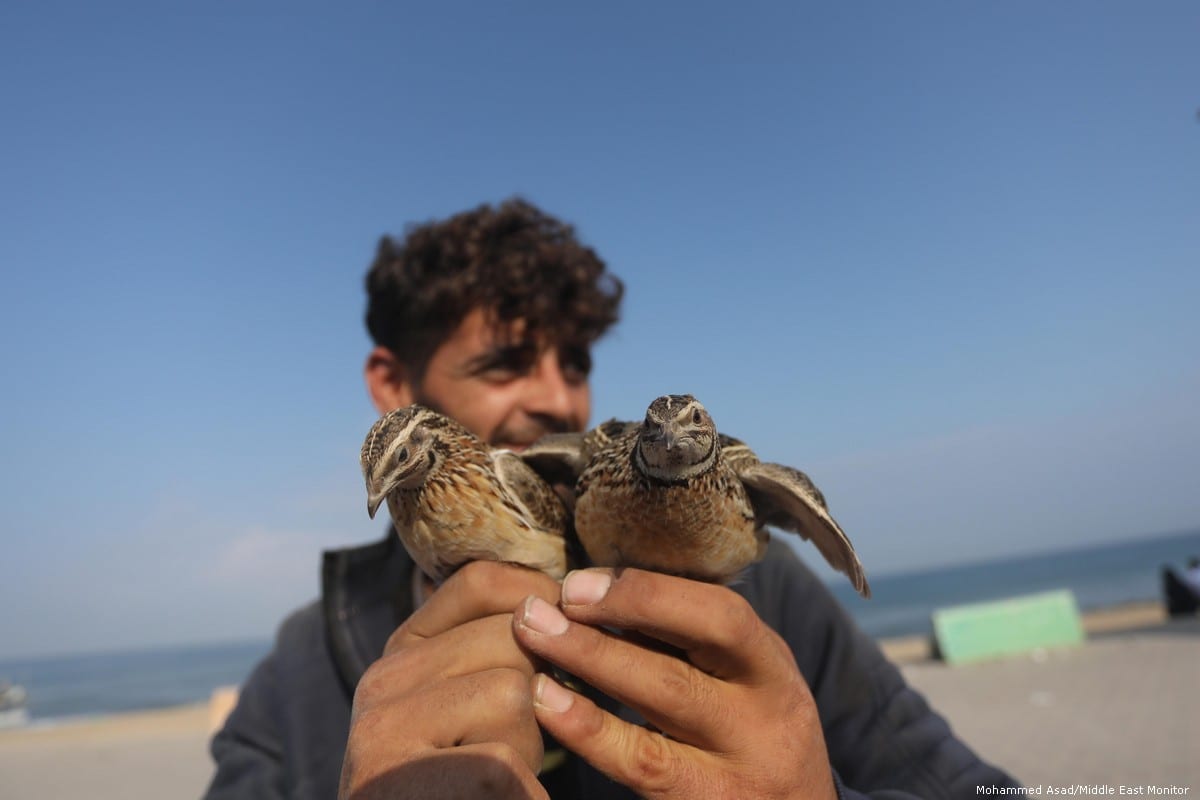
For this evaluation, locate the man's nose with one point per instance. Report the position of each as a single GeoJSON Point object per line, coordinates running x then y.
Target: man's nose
{"type": "Point", "coordinates": [548, 392]}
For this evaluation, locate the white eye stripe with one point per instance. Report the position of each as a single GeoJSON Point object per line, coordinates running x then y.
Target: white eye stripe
{"type": "Point", "coordinates": [688, 410]}
{"type": "Point", "coordinates": [401, 438]}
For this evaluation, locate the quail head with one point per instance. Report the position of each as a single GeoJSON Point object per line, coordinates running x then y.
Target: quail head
{"type": "Point", "coordinates": [673, 495]}
{"type": "Point", "coordinates": [453, 499]}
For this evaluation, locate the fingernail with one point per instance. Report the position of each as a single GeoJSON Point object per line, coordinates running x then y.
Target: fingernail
{"type": "Point", "coordinates": [584, 587]}
{"type": "Point", "coordinates": [543, 617]}
{"type": "Point", "coordinates": [550, 695]}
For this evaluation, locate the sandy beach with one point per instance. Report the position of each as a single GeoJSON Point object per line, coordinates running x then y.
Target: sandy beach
{"type": "Point", "coordinates": [146, 754]}
{"type": "Point", "coordinates": [1121, 710]}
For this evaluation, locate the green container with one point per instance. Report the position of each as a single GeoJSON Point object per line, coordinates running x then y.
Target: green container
{"type": "Point", "coordinates": [1004, 627]}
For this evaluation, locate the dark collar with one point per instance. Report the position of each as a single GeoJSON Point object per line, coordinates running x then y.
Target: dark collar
{"type": "Point", "coordinates": [366, 592]}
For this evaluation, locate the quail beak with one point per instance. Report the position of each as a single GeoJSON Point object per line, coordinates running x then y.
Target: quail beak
{"type": "Point", "coordinates": [670, 435]}
{"type": "Point", "coordinates": [373, 503]}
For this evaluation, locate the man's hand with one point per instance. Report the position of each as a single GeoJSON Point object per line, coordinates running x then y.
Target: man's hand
{"type": "Point", "coordinates": [736, 717]}
{"type": "Point", "coordinates": [447, 711]}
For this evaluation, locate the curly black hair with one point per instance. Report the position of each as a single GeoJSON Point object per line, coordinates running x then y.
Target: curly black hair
{"type": "Point", "coordinates": [514, 261]}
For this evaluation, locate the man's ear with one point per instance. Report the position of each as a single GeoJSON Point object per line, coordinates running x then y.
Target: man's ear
{"type": "Point", "coordinates": [389, 381]}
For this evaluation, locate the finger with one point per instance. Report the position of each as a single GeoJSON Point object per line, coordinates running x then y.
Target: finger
{"type": "Point", "coordinates": [647, 762]}
{"type": "Point", "coordinates": [672, 694]}
{"type": "Point", "coordinates": [715, 627]}
{"type": "Point", "coordinates": [478, 589]}
{"type": "Point", "coordinates": [491, 706]}
{"type": "Point", "coordinates": [474, 646]}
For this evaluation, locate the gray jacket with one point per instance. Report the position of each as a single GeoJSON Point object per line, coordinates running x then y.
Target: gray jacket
{"type": "Point", "coordinates": [287, 736]}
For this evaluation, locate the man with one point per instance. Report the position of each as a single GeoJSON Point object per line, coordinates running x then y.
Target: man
{"type": "Point", "coordinates": [390, 688]}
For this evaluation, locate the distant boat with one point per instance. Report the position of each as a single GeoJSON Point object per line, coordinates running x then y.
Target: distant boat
{"type": "Point", "coordinates": [13, 710]}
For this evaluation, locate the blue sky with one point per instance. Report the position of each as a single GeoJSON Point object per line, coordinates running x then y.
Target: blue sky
{"type": "Point", "coordinates": [942, 256]}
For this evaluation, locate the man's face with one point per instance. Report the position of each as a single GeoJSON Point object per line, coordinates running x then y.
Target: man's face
{"type": "Point", "coordinates": [506, 388]}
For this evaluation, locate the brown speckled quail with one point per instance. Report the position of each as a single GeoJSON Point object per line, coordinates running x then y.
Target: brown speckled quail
{"type": "Point", "coordinates": [453, 499]}
{"type": "Point", "coordinates": [672, 495]}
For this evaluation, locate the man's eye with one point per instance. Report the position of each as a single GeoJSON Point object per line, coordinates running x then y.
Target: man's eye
{"type": "Point", "coordinates": [499, 372]}
{"type": "Point", "coordinates": [574, 373]}
{"type": "Point", "coordinates": [507, 365]}
{"type": "Point", "coordinates": [576, 365]}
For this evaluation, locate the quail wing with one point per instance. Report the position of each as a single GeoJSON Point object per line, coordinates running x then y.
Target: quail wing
{"type": "Point", "coordinates": [736, 453]}
{"type": "Point", "coordinates": [557, 457]}
{"type": "Point", "coordinates": [785, 498]}
{"type": "Point", "coordinates": [525, 488]}
{"type": "Point", "coordinates": [560, 458]}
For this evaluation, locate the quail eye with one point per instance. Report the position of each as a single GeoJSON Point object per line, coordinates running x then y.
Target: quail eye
{"type": "Point", "coordinates": [402, 456]}
{"type": "Point", "coordinates": [696, 416]}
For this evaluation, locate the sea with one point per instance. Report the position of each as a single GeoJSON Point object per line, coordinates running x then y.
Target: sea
{"type": "Point", "coordinates": [1100, 576]}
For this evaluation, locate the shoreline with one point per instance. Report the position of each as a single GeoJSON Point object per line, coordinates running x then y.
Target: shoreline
{"type": "Point", "coordinates": [210, 714]}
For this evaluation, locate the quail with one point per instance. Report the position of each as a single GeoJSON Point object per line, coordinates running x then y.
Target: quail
{"type": "Point", "coordinates": [454, 499]}
{"type": "Point", "coordinates": [673, 495]}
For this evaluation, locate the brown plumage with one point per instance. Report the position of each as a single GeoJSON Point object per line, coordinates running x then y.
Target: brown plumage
{"type": "Point", "coordinates": [672, 495]}
{"type": "Point", "coordinates": [454, 499]}
{"type": "Point", "coordinates": [559, 458]}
